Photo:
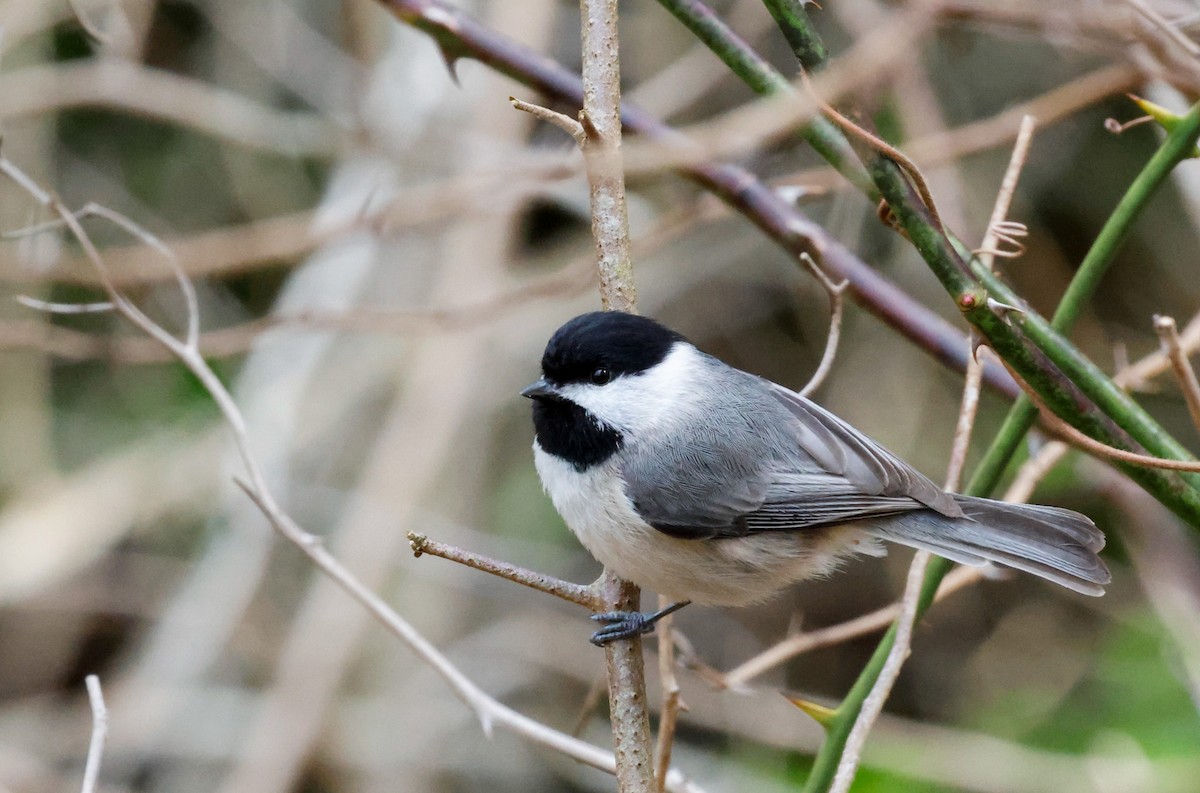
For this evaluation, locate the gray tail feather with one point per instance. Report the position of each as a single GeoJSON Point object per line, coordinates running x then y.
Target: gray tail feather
{"type": "Point", "coordinates": [1056, 544]}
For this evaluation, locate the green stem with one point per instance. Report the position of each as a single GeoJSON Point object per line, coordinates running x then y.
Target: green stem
{"type": "Point", "coordinates": [1067, 380]}
{"type": "Point", "coordinates": [1085, 282]}
{"type": "Point", "coordinates": [796, 27]}
{"type": "Point", "coordinates": [825, 138]}
{"type": "Point", "coordinates": [1178, 146]}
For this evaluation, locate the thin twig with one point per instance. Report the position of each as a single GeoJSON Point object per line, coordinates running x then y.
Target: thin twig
{"type": "Point", "coordinates": [997, 227]}
{"type": "Point", "coordinates": [489, 711]}
{"type": "Point", "coordinates": [1169, 30]}
{"type": "Point", "coordinates": [801, 643]}
{"type": "Point", "coordinates": [880, 145]}
{"type": "Point", "coordinates": [836, 305]}
{"type": "Point", "coordinates": [95, 755]}
{"type": "Point", "coordinates": [574, 593]}
{"type": "Point", "coordinates": [591, 701]}
{"type": "Point", "coordinates": [1172, 347]}
{"type": "Point", "coordinates": [560, 120]}
{"type": "Point", "coordinates": [668, 716]}
{"type": "Point", "coordinates": [873, 705]}
{"type": "Point", "coordinates": [1146, 369]}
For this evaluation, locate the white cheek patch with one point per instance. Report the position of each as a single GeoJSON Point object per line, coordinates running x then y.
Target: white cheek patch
{"type": "Point", "coordinates": [639, 403]}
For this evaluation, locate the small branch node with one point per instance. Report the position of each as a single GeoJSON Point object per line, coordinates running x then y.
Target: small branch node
{"type": "Point", "coordinates": [590, 131]}
{"type": "Point", "coordinates": [417, 542]}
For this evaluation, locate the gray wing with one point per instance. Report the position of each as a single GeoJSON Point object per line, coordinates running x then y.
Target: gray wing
{"type": "Point", "coordinates": [771, 461]}
{"type": "Point", "coordinates": [841, 449]}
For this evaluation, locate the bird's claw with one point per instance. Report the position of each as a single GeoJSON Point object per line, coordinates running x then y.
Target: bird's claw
{"type": "Point", "coordinates": [628, 624]}
{"type": "Point", "coordinates": [621, 625]}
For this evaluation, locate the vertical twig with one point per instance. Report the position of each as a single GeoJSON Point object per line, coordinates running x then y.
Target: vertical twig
{"type": "Point", "coordinates": [671, 702]}
{"type": "Point", "coordinates": [601, 119]}
{"type": "Point", "coordinates": [1168, 336]}
{"type": "Point", "coordinates": [873, 704]}
{"type": "Point", "coordinates": [91, 771]}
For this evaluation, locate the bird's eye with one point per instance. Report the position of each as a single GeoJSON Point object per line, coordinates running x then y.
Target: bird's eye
{"type": "Point", "coordinates": [601, 376]}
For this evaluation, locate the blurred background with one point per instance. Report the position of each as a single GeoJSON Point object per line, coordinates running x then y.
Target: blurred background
{"type": "Point", "coordinates": [380, 252]}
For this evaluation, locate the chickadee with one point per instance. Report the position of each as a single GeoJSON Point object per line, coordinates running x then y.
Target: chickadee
{"type": "Point", "coordinates": [711, 485]}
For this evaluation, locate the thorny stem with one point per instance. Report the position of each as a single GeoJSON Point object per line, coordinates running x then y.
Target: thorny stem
{"type": "Point", "coordinates": [872, 705]}
{"type": "Point", "coordinates": [764, 80]}
{"type": "Point", "coordinates": [1062, 386]}
{"type": "Point", "coordinates": [459, 36]}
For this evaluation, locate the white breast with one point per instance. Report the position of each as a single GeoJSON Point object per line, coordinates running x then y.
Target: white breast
{"type": "Point", "coordinates": [726, 572]}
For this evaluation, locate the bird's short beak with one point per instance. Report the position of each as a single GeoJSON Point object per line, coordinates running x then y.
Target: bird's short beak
{"type": "Point", "coordinates": [539, 390]}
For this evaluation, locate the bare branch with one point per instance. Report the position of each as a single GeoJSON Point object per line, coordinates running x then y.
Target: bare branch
{"type": "Point", "coordinates": [880, 145]}
{"type": "Point", "coordinates": [490, 712]}
{"type": "Point", "coordinates": [836, 305]}
{"type": "Point", "coordinates": [873, 705]}
{"type": "Point", "coordinates": [570, 592]}
{"type": "Point", "coordinates": [157, 93]}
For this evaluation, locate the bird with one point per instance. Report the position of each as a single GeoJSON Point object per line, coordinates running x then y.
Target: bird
{"type": "Point", "coordinates": [715, 486]}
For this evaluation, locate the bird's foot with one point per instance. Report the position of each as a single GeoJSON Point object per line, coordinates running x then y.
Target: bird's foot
{"type": "Point", "coordinates": [628, 624]}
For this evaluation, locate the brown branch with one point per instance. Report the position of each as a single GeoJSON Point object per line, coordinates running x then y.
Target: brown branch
{"type": "Point", "coordinates": [807, 641]}
{"type": "Point", "coordinates": [166, 96]}
{"type": "Point", "coordinates": [601, 120]}
{"type": "Point", "coordinates": [573, 593]}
